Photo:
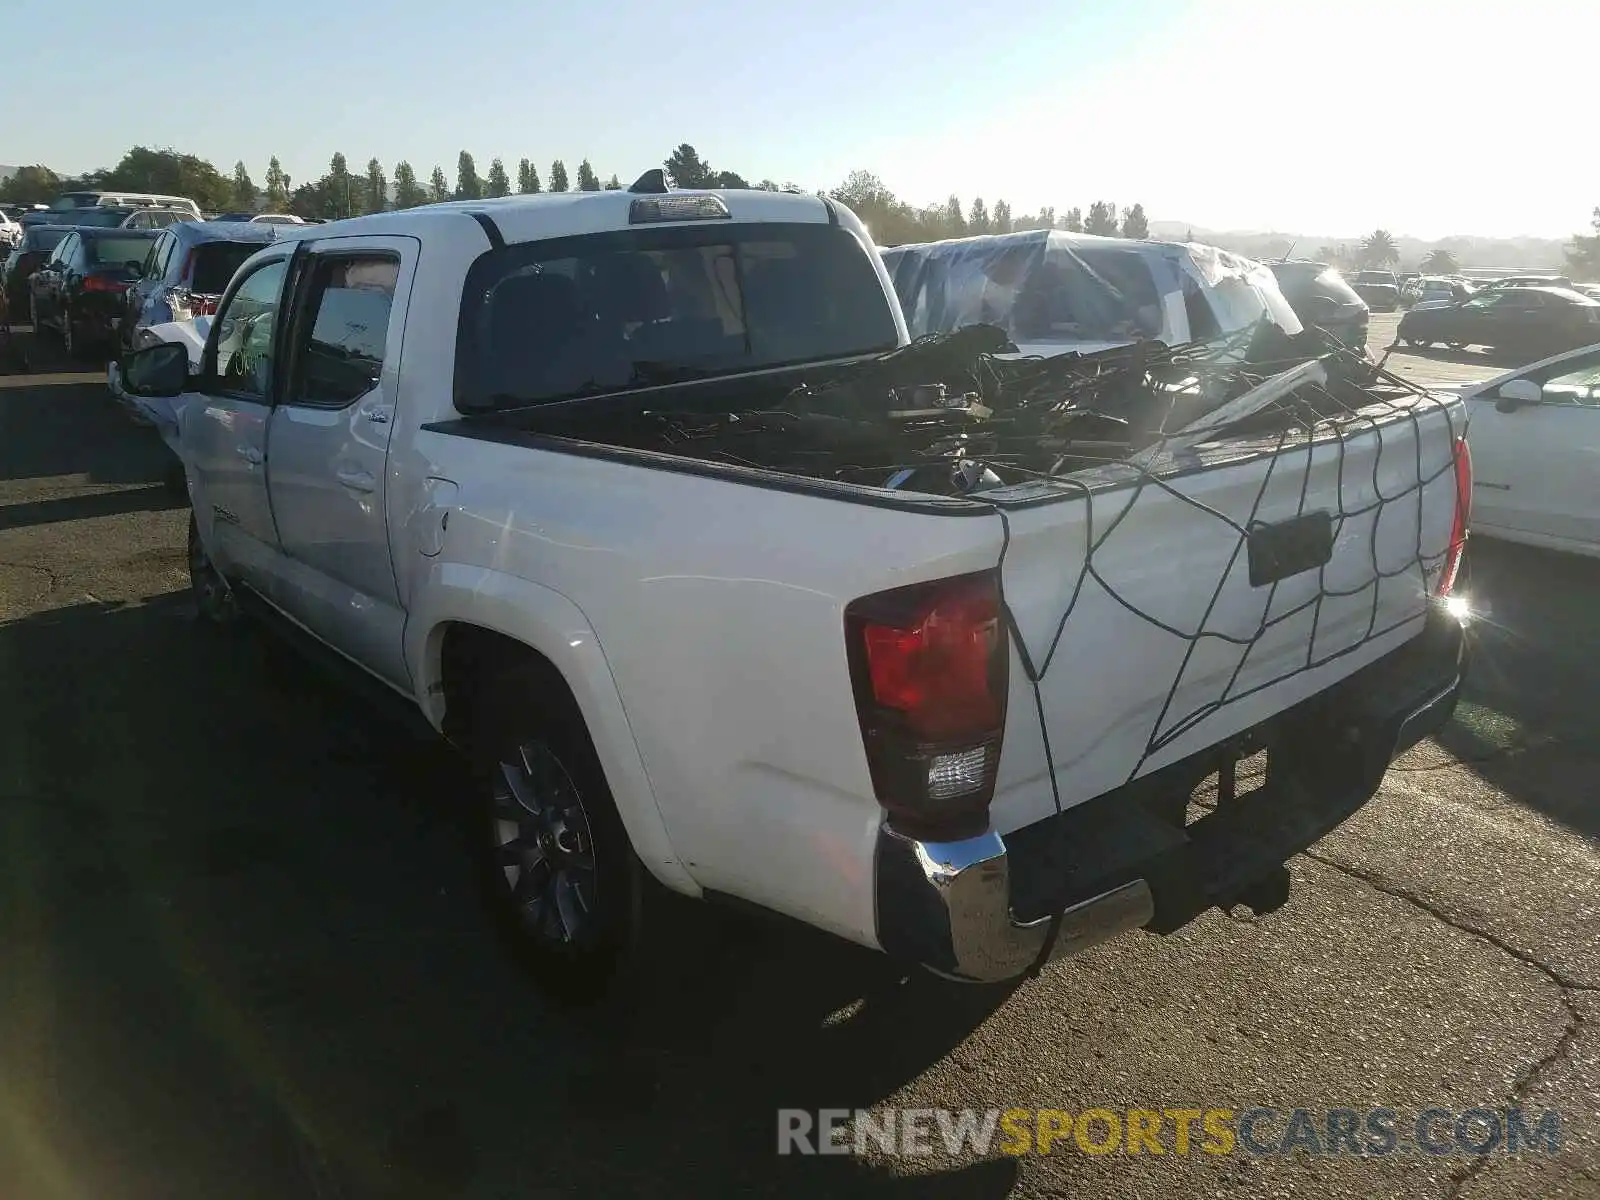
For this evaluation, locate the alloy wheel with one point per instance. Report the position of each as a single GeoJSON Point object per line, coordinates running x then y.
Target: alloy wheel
{"type": "Point", "coordinates": [544, 847]}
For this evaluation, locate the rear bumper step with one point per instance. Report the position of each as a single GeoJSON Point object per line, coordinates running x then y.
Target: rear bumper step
{"type": "Point", "coordinates": [989, 908]}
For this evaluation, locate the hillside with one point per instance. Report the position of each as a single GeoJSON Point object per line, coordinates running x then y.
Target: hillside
{"type": "Point", "coordinates": [1468, 251]}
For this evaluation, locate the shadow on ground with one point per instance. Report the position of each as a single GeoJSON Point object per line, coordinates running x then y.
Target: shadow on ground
{"type": "Point", "coordinates": [1527, 722]}
{"type": "Point", "coordinates": [244, 954]}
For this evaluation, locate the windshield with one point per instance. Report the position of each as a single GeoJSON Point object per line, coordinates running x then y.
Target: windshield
{"type": "Point", "coordinates": [215, 263]}
{"type": "Point", "coordinates": [100, 218]}
{"type": "Point", "coordinates": [76, 200]}
{"type": "Point", "coordinates": [116, 251]}
{"type": "Point", "coordinates": [579, 316]}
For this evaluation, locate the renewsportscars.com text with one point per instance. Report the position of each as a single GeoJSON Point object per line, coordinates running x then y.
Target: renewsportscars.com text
{"type": "Point", "coordinates": [1370, 1132]}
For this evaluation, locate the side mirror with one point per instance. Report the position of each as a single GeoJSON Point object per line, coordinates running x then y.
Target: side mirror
{"type": "Point", "coordinates": [156, 371]}
{"type": "Point", "coordinates": [1517, 394]}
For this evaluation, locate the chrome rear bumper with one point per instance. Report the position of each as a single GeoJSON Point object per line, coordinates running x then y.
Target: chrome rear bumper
{"type": "Point", "coordinates": [952, 906]}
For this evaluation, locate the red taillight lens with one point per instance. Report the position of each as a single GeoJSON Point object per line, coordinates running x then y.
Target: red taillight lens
{"type": "Point", "coordinates": [929, 664]}
{"type": "Point", "coordinates": [188, 265]}
{"type": "Point", "coordinates": [102, 283]}
{"type": "Point", "coordinates": [1463, 516]}
{"type": "Point", "coordinates": [202, 306]}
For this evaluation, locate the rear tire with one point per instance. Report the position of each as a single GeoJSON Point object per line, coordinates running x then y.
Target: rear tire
{"type": "Point", "coordinates": [567, 893]}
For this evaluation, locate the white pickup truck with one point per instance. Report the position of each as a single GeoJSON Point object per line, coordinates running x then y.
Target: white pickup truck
{"type": "Point", "coordinates": [562, 472]}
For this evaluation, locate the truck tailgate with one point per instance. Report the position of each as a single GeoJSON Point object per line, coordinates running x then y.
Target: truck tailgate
{"type": "Point", "coordinates": [1158, 614]}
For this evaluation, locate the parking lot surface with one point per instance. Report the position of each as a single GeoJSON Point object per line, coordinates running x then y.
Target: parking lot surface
{"type": "Point", "coordinates": [242, 956]}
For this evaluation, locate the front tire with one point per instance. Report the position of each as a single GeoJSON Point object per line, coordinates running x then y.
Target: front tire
{"type": "Point", "coordinates": [213, 596]}
{"type": "Point", "coordinates": [567, 892]}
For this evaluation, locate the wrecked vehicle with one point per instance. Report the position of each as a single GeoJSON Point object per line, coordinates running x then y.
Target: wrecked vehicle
{"type": "Point", "coordinates": [1054, 291]}
{"type": "Point", "coordinates": [647, 502]}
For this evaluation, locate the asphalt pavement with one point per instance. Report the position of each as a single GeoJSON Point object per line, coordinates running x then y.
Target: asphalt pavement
{"type": "Point", "coordinates": [240, 955]}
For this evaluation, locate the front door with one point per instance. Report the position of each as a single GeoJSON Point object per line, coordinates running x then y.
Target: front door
{"type": "Point", "coordinates": [329, 444]}
{"type": "Point", "coordinates": [1536, 468]}
{"type": "Point", "coordinates": [224, 432]}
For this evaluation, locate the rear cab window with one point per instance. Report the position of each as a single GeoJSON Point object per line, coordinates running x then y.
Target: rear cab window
{"type": "Point", "coordinates": [342, 331]}
{"type": "Point", "coordinates": [560, 319]}
{"type": "Point", "coordinates": [214, 264]}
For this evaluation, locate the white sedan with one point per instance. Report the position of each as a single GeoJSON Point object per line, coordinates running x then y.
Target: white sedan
{"type": "Point", "coordinates": [1535, 439]}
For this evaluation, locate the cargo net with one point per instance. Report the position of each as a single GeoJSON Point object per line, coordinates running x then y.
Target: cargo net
{"type": "Point", "coordinates": [1136, 419]}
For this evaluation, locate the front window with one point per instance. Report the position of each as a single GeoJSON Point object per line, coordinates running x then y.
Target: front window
{"type": "Point", "coordinates": [556, 320]}
{"type": "Point", "coordinates": [1580, 386]}
{"type": "Point", "coordinates": [242, 351]}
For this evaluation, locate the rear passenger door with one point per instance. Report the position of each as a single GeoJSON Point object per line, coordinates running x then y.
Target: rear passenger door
{"type": "Point", "coordinates": [328, 448]}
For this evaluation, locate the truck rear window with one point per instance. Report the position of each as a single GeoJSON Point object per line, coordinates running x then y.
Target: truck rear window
{"type": "Point", "coordinates": [215, 263]}
{"type": "Point", "coordinates": [571, 317]}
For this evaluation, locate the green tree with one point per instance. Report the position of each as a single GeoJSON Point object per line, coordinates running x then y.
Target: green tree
{"type": "Point", "coordinates": [558, 176]}
{"type": "Point", "coordinates": [1102, 219]}
{"type": "Point", "coordinates": [978, 221]}
{"type": "Point", "coordinates": [527, 178]}
{"type": "Point", "coordinates": [767, 185]}
{"type": "Point", "coordinates": [277, 186]}
{"type": "Point", "coordinates": [438, 187]}
{"type": "Point", "coordinates": [1378, 249]}
{"type": "Point", "coordinates": [244, 188]}
{"type": "Point", "coordinates": [337, 189]}
{"type": "Point", "coordinates": [376, 193]}
{"type": "Point", "coordinates": [613, 184]}
{"type": "Point", "coordinates": [1583, 251]}
{"type": "Point", "coordinates": [143, 169]}
{"type": "Point", "coordinates": [1440, 261]}
{"type": "Point", "coordinates": [1134, 222]}
{"type": "Point", "coordinates": [468, 185]}
{"type": "Point", "coordinates": [588, 181]}
{"type": "Point", "coordinates": [685, 168]}
{"type": "Point", "coordinates": [955, 223]}
{"type": "Point", "coordinates": [1002, 217]}
{"type": "Point", "coordinates": [499, 183]}
{"type": "Point", "coordinates": [1073, 221]}
{"type": "Point", "coordinates": [36, 184]}
{"type": "Point", "coordinates": [407, 192]}
{"type": "Point", "coordinates": [728, 179]}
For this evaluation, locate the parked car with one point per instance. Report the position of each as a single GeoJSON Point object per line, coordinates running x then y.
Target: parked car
{"type": "Point", "coordinates": [1379, 289]}
{"type": "Point", "coordinates": [94, 198]}
{"type": "Point", "coordinates": [78, 291]}
{"type": "Point", "coordinates": [26, 258]}
{"type": "Point", "coordinates": [1531, 321]}
{"type": "Point", "coordinates": [1435, 289]}
{"type": "Point", "coordinates": [10, 231]}
{"type": "Point", "coordinates": [1054, 292]}
{"type": "Point", "coordinates": [1535, 431]}
{"type": "Point", "coordinates": [481, 453]}
{"type": "Point", "coordinates": [1559, 281]}
{"type": "Point", "coordinates": [1321, 298]}
{"type": "Point", "coordinates": [262, 218]}
{"type": "Point", "coordinates": [185, 272]}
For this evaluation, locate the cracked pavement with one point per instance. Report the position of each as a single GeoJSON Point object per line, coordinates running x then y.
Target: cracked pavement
{"type": "Point", "coordinates": [242, 957]}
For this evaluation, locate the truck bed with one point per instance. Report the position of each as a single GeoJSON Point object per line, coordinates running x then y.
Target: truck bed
{"type": "Point", "coordinates": [1169, 582]}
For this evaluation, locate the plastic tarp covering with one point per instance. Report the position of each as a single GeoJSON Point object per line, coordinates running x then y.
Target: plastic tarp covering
{"type": "Point", "coordinates": [1049, 286]}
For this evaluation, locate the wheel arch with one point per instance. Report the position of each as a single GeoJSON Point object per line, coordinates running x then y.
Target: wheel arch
{"type": "Point", "coordinates": [467, 620]}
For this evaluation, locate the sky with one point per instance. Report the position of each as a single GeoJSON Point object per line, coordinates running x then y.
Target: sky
{"type": "Point", "coordinates": [1426, 118]}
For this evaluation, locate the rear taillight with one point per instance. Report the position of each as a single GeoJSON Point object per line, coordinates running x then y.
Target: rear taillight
{"type": "Point", "coordinates": [102, 283]}
{"type": "Point", "coordinates": [1463, 516]}
{"type": "Point", "coordinates": [203, 306]}
{"type": "Point", "coordinates": [188, 264]}
{"type": "Point", "coordinates": [929, 665]}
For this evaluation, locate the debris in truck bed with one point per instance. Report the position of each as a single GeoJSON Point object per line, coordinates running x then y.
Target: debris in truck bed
{"type": "Point", "coordinates": [956, 413]}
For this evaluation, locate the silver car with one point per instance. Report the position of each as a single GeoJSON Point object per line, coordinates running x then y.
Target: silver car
{"type": "Point", "coordinates": [186, 272]}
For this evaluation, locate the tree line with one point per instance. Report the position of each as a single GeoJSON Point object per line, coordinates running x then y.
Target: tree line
{"type": "Point", "coordinates": [341, 192]}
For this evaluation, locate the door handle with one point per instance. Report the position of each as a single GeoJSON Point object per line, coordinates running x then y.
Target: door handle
{"type": "Point", "coordinates": [361, 481]}
{"type": "Point", "coordinates": [250, 454]}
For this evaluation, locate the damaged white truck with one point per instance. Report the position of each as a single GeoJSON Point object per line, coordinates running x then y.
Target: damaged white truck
{"type": "Point", "coordinates": [647, 502]}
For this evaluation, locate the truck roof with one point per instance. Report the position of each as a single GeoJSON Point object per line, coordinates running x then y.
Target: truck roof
{"type": "Point", "coordinates": [567, 214]}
